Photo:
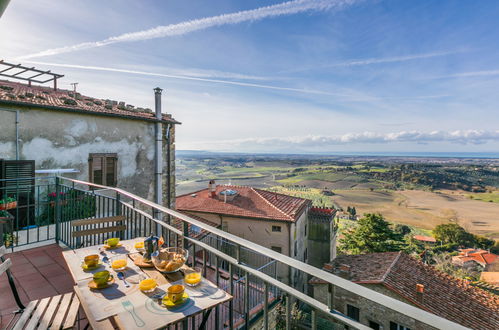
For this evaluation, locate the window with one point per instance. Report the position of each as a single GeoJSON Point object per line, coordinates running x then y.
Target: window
{"type": "Point", "coordinates": [296, 248]}
{"type": "Point", "coordinates": [277, 249]}
{"type": "Point", "coordinates": [374, 325]}
{"type": "Point", "coordinates": [103, 169]}
{"type": "Point", "coordinates": [305, 255]}
{"type": "Point", "coordinates": [353, 312]}
{"type": "Point", "coordinates": [396, 326]}
{"type": "Point", "coordinates": [305, 230]}
{"type": "Point", "coordinates": [276, 229]}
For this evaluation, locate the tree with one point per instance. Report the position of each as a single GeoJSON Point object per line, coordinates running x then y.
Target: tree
{"type": "Point", "coordinates": [372, 234]}
{"type": "Point", "coordinates": [454, 234]}
{"type": "Point", "coordinates": [483, 242]}
{"type": "Point", "coordinates": [402, 229]}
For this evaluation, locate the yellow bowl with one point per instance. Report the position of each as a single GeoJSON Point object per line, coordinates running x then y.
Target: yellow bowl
{"type": "Point", "coordinates": [148, 285]}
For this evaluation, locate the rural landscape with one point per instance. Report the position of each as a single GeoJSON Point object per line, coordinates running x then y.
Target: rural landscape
{"type": "Point", "coordinates": [420, 192]}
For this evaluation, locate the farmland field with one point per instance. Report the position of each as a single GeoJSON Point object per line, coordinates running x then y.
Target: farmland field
{"type": "Point", "coordinates": [419, 195]}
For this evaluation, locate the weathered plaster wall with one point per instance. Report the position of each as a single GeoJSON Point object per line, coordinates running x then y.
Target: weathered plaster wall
{"type": "Point", "coordinates": [55, 139]}
{"type": "Point", "coordinates": [256, 231]}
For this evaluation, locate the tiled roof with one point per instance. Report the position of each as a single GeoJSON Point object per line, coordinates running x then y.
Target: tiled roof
{"type": "Point", "coordinates": [482, 257]}
{"type": "Point", "coordinates": [249, 203]}
{"type": "Point", "coordinates": [425, 238]}
{"type": "Point", "coordinates": [451, 298]}
{"type": "Point", "coordinates": [65, 100]}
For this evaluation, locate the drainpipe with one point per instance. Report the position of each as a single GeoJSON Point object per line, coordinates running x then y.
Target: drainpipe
{"type": "Point", "coordinates": [158, 159]}
{"type": "Point", "coordinates": [17, 130]}
{"type": "Point", "coordinates": [168, 168]}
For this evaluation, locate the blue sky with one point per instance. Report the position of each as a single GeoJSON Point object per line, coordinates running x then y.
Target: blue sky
{"type": "Point", "coordinates": [276, 76]}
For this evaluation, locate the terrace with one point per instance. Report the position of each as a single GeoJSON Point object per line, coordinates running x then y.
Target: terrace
{"type": "Point", "coordinates": [42, 230]}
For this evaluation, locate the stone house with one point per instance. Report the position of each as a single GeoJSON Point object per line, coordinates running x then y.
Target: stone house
{"type": "Point", "coordinates": [276, 221]}
{"type": "Point", "coordinates": [402, 277]}
{"type": "Point", "coordinates": [104, 141]}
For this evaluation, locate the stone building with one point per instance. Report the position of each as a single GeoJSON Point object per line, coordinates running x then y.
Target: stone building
{"type": "Point", "coordinates": [106, 142]}
{"type": "Point", "coordinates": [402, 277]}
{"type": "Point", "coordinates": [276, 221]}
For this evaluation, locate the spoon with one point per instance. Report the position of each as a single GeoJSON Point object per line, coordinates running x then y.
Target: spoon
{"type": "Point", "coordinates": [105, 259]}
{"type": "Point", "coordinates": [121, 276]}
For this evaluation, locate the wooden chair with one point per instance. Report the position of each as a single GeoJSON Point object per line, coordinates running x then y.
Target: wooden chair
{"type": "Point", "coordinates": [89, 227]}
{"type": "Point", "coordinates": [57, 312]}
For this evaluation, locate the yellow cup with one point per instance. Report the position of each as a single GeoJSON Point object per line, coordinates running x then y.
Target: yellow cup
{"type": "Point", "coordinates": [101, 278]}
{"type": "Point", "coordinates": [112, 242]}
{"type": "Point", "coordinates": [91, 260]}
{"type": "Point", "coordinates": [175, 292]}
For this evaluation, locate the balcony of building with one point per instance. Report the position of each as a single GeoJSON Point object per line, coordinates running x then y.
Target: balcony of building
{"type": "Point", "coordinates": [40, 228]}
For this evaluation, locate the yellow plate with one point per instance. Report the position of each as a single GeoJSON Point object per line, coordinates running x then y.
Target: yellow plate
{"type": "Point", "coordinates": [168, 303]}
{"type": "Point", "coordinates": [107, 247]}
{"type": "Point", "coordinates": [85, 267]}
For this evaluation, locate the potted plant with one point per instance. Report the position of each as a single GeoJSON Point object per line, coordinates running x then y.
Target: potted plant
{"type": "Point", "coordinates": [8, 203]}
{"type": "Point", "coordinates": [9, 239]}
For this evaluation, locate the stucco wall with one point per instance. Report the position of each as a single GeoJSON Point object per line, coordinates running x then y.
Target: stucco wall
{"type": "Point", "coordinates": [369, 310]}
{"type": "Point", "coordinates": [55, 139]}
{"type": "Point", "coordinates": [257, 231]}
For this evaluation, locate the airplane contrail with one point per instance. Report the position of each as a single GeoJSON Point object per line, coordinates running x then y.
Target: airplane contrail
{"type": "Point", "coordinates": [285, 8]}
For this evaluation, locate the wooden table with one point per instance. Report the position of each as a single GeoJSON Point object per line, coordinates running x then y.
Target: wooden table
{"type": "Point", "coordinates": [73, 259]}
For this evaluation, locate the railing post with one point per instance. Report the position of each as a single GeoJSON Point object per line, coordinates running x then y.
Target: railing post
{"type": "Point", "coordinates": [185, 229]}
{"type": "Point", "coordinates": [288, 312]}
{"type": "Point", "coordinates": [314, 320]}
{"type": "Point", "coordinates": [330, 297]}
{"type": "Point", "coordinates": [266, 307]}
{"type": "Point", "coordinates": [57, 208]}
{"type": "Point", "coordinates": [117, 211]}
{"type": "Point", "coordinates": [246, 301]}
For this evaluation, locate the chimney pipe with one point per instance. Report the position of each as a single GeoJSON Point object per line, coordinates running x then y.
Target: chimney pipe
{"type": "Point", "coordinates": [158, 160]}
{"type": "Point", "coordinates": [419, 292]}
{"type": "Point", "coordinates": [212, 187]}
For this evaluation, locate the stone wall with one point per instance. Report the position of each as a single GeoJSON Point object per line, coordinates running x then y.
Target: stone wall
{"type": "Point", "coordinates": [369, 310]}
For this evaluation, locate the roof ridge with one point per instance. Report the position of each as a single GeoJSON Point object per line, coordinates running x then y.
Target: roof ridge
{"type": "Point", "coordinates": [272, 205]}
{"type": "Point", "coordinates": [389, 269]}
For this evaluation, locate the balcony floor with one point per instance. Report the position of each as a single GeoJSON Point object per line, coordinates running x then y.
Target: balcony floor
{"type": "Point", "coordinates": [38, 273]}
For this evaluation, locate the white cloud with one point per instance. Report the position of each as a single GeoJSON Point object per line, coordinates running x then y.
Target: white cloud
{"type": "Point", "coordinates": [369, 61]}
{"type": "Point", "coordinates": [286, 8]}
{"type": "Point", "coordinates": [311, 141]}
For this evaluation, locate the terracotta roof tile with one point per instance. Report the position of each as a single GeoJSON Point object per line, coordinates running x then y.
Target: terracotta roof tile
{"type": "Point", "coordinates": [446, 296]}
{"type": "Point", "coordinates": [38, 96]}
{"type": "Point", "coordinates": [250, 203]}
{"type": "Point", "coordinates": [482, 257]}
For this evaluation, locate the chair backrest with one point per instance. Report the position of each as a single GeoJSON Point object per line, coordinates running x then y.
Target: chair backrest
{"type": "Point", "coordinates": [5, 265]}
{"type": "Point", "coordinates": [87, 227]}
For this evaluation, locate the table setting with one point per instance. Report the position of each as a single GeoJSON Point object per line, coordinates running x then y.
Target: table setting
{"type": "Point", "coordinates": [140, 282]}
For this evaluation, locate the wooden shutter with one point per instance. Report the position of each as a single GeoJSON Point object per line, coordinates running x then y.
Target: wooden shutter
{"type": "Point", "coordinates": [103, 169]}
{"type": "Point", "coordinates": [23, 189]}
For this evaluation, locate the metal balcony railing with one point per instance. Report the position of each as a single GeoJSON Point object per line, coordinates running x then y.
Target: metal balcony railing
{"type": "Point", "coordinates": [246, 270]}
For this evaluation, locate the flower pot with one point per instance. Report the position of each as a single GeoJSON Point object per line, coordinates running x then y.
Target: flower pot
{"type": "Point", "coordinates": [3, 206]}
{"type": "Point", "coordinates": [11, 205]}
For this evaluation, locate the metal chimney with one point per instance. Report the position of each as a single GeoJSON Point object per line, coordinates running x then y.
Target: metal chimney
{"type": "Point", "coordinates": [158, 159]}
